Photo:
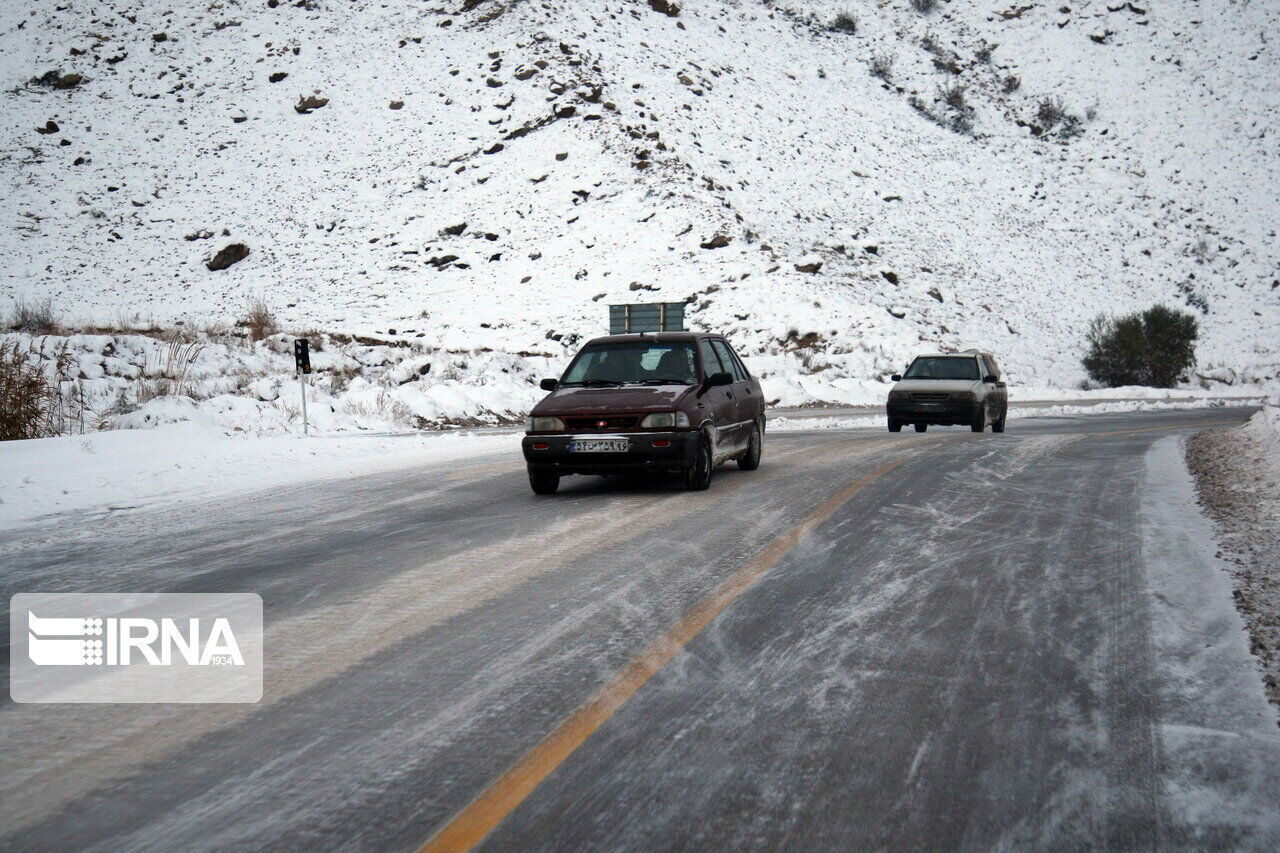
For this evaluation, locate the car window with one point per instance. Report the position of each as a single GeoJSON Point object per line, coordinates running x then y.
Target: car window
{"type": "Point", "coordinates": [638, 362]}
{"type": "Point", "coordinates": [943, 367]}
{"type": "Point", "coordinates": [728, 360]}
{"type": "Point", "coordinates": [710, 361]}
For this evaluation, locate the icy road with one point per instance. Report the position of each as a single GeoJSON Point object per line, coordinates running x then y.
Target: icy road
{"type": "Point", "coordinates": [944, 640]}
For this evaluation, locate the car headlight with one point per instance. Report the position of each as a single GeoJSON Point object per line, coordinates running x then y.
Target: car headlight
{"type": "Point", "coordinates": [899, 395]}
{"type": "Point", "coordinates": [965, 396]}
{"type": "Point", "coordinates": [665, 420]}
{"type": "Point", "coordinates": [543, 425]}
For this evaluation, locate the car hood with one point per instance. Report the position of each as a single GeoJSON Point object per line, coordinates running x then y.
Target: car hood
{"type": "Point", "coordinates": [936, 386]}
{"type": "Point", "coordinates": [599, 401]}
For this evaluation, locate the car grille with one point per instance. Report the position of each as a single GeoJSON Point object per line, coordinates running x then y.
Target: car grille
{"type": "Point", "coordinates": [604, 423]}
{"type": "Point", "coordinates": [930, 398]}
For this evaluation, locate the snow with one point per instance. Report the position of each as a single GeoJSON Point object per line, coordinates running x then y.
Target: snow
{"type": "Point", "coordinates": [107, 473]}
{"type": "Point", "coordinates": [1215, 722]}
{"type": "Point", "coordinates": [1263, 429]}
{"type": "Point", "coordinates": [756, 123]}
{"type": "Point", "coordinates": [133, 381]}
{"type": "Point", "coordinates": [1153, 404]}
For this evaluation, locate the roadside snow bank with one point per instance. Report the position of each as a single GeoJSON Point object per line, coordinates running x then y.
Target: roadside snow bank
{"type": "Point", "coordinates": [1218, 736]}
{"type": "Point", "coordinates": [224, 382]}
{"type": "Point", "coordinates": [1238, 477]}
{"type": "Point", "coordinates": [129, 470]}
{"type": "Point", "coordinates": [1264, 429]}
{"type": "Point", "coordinates": [785, 424]}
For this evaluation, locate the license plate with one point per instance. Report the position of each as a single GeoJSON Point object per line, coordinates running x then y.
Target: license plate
{"type": "Point", "coordinates": [600, 445]}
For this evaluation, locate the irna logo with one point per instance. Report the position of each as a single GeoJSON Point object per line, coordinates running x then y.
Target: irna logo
{"type": "Point", "coordinates": [135, 647]}
{"type": "Point", "coordinates": [94, 641]}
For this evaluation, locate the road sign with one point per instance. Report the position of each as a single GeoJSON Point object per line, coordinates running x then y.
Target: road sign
{"type": "Point", "coordinates": [302, 358]}
{"type": "Point", "coordinates": [302, 355]}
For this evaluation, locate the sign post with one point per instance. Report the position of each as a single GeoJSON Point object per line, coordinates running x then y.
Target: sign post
{"type": "Point", "coordinates": [302, 358]}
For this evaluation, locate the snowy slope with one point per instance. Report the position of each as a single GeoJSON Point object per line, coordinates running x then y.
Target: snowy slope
{"type": "Point", "coordinates": [590, 148]}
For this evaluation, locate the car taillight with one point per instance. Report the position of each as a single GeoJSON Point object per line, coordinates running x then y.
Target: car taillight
{"type": "Point", "coordinates": [661, 442]}
{"type": "Point", "coordinates": [540, 445]}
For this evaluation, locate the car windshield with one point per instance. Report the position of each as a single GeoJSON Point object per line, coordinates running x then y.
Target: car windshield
{"type": "Point", "coordinates": [943, 367]}
{"type": "Point", "coordinates": [633, 363]}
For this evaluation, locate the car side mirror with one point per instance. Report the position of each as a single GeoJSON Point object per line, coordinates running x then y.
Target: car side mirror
{"type": "Point", "coordinates": [897, 377]}
{"type": "Point", "coordinates": [718, 379]}
{"type": "Point", "coordinates": [548, 384]}
{"type": "Point", "coordinates": [990, 377]}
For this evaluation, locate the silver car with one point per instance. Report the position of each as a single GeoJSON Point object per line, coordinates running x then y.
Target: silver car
{"type": "Point", "coordinates": [949, 388]}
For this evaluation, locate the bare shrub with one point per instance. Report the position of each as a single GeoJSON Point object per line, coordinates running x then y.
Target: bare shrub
{"type": "Point", "coordinates": [882, 66]}
{"type": "Point", "coordinates": [1011, 84]}
{"type": "Point", "coordinates": [1050, 112]}
{"type": "Point", "coordinates": [34, 317]}
{"type": "Point", "coordinates": [961, 123]}
{"type": "Point", "coordinates": [953, 96]}
{"type": "Point", "coordinates": [259, 319]}
{"type": "Point", "coordinates": [924, 7]}
{"type": "Point", "coordinates": [341, 377]}
{"type": "Point", "coordinates": [844, 23]}
{"type": "Point", "coordinates": [314, 337]}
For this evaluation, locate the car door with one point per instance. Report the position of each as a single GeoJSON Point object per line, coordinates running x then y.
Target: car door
{"type": "Point", "coordinates": [997, 393]}
{"type": "Point", "coordinates": [744, 403]}
{"type": "Point", "coordinates": [752, 401]}
{"type": "Point", "coordinates": [719, 402]}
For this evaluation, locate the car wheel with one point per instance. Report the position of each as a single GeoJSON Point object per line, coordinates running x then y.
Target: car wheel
{"type": "Point", "coordinates": [750, 460]}
{"type": "Point", "coordinates": [544, 483]}
{"type": "Point", "coordinates": [697, 477]}
{"type": "Point", "coordinates": [895, 426]}
{"type": "Point", "coordinates": [921, 427]}
{"type": "Point", "coordinates": [980, 420]}
{"type": "Point", "coordinates": [998, 426]}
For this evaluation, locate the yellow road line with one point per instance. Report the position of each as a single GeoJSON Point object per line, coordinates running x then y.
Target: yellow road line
{"type": "Point", "coordinates": [469, 827]}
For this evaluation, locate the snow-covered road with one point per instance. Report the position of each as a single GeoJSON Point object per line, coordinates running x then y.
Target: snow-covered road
{"type": "Point", "coordinates": [965, 641]}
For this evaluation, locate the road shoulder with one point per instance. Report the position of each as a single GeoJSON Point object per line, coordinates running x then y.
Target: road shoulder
{"type": "Point", "coordinates": [1218, 733]}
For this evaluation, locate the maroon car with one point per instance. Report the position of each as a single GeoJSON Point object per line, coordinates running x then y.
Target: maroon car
{"type": "Point", "coordinates": [666, 402]}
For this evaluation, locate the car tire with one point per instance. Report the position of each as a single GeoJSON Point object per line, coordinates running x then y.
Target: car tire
{"type": "Point", "coordinates": [921, 427]}
{"type": "Point", "coordinates": [697, 477]}
{"type": "Point", "coordinates": [895, 426]}
{"type": "Point", "coordinates": [544, 483]}
{"type": "Point", "coordinates": [998, 426]}
{"type": "Point", "coordinates": [980, 420]}
{"type": "Point", "coordinates": [750, 460]}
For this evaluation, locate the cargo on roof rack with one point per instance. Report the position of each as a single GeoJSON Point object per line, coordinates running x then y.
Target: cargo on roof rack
{"type": "Point", "coordinates": [630, 318]}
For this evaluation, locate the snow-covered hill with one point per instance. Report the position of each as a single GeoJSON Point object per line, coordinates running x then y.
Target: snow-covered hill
{"type": "Point", "coordinates": [489, 174]}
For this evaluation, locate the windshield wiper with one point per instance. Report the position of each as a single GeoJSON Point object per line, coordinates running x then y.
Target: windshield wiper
{"type": "Point", "coordinates": [668, 381]}
{"type": "Point", "coordinates": [595, 382]}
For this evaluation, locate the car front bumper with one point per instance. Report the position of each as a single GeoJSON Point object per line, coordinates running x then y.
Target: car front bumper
{"type": "Point", "coordinates": [643, 457]}
{"type": "Point", "coordinates": [942, 413]}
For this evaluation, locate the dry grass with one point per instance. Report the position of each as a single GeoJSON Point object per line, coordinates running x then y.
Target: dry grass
{"type": "Point", "coordinates": [172, 374]}
{"type": "Point", "coordinates": [844, 23]}
{"type": "Point", "coordinates": [31, 400]}
{"type": "Point", "coordinates": [384, 407]}
{"type": "Point", "coordinates": [34, 317]}
{"type": "Point", "coordinates": [882, 66]}
{"type": "Point", "coordinates": [259, 319]}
